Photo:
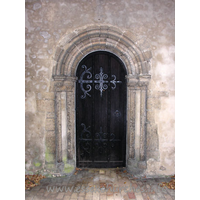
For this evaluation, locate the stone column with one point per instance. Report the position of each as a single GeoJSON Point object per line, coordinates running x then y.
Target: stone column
{"type": "Point", "coordinates": [137, 126]}
{"type": "Point", "coordinates": [136, 120]}
{"type": "Point", "coordinates": [59, 90]}
{"type": "Point", "coordinates": [143, 84]}
{"type": "Point", "coordinates": [65, 123]}
{"type": "Point", "coordinates": [58, 128]}
{"type": "Point", "coordinates": [70, 110]}
{"type": "Point", "coordinates": [131, 124]}
{"type": "Point", "coordinates": [143, 124]}
{"type": "Point", "coordinates": [64, 126]}
{"type": "Point", "coordinates": [131, 120]}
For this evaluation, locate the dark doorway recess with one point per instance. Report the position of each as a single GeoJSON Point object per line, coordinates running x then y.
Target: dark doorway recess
{"type": "Point", "coordinates": [101, 96]}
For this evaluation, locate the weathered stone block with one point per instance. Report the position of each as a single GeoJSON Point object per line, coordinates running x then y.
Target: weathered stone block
{"type": "Point", "coordinates": [153, 154]}
{"type": "Point", "coordinates": [130, 36]}
{"type": "Point", "coordinates": [104, 28]}
{"type": "Point", "coordinates": [145, 67]}
{"type": "Point", "coordinates": [142, 165]}
{"type": "Point", "coordinates": [150, 115]}
{"type": "Point", "coordinates": [131, 152]}
{"type": "Point", "coordinates": [60, 166]}
{"type": "Point", "coordinates": [92, 27]}
{"type": "Point", "coordinates": [50, 134]}
{"type": "Point", "coordinates": [152, 137]}
{"type": "Point", "coordinates": [50, 125]}
{"type": "Point", "coordinates": [50, 143]}
{"type": "Point", "coordinates": [58, 53]}
{"type": "Point", "coordinates": [45, 105]}
{"type": "Point", "coordinates": [163, 93]}
{"type": "Point", "coordinates": [50, 115]}
{"type": "Point", "coordinates": [153, 102]}
{"type": "Point", "coordinates": [152, 142]}
{"type": "Point", "coordinates": [147, 55]}
{"type": "Point", "coordinates": [50, 158]}
{"type": "Point", "coordinates": [90, 48]}
{"type": "Point", "coordinates": [143, 44]}
{"type": "Point", "coordinates": [132, 167]}
{"type": "Point", "coordinates": [162, 168]}
{"type": "Point", "coordinates": [48, 95]}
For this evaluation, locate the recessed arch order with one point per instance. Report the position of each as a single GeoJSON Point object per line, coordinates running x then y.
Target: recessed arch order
{"type": "Point", "coordinates": [134, 52]}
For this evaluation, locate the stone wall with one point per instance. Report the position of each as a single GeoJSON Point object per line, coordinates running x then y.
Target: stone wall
{"type": "Point", "coordinates": [48, 22]}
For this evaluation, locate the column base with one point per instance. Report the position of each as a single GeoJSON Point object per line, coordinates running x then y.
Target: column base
{"type": "Point", "coordinates": [136, 167]}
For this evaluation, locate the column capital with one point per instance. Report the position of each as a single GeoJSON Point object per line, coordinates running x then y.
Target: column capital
{"type": "Point", "coordinates": [138, 81]}
{"type": "Point", "coordinates": [144, 79]}
{"type": "Point", "coordinates": [64, 83]}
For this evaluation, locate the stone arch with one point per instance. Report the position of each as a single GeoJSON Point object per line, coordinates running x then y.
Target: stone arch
{"type": "Point", "coordinates": [136, 54]}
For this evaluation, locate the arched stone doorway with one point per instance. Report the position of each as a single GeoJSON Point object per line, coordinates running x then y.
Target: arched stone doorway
{"type": "Point", "coordinates": [135, 55]}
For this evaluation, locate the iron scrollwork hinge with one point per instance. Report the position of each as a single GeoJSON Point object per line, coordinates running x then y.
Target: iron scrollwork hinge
{"type": "Point", "coordinates": [100, 81]}
{"type": "Point", "coordinates": [84, 141]}
{"type": "Point", "coordinates": [81, 81]}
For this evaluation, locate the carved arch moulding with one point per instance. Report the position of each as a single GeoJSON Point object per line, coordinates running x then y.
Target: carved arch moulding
{"type": "Point", "coordinates": [135, 54]}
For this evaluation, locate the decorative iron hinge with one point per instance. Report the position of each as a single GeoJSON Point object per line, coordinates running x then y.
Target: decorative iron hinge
{"type": "Point", "coordinates": [100, 81]}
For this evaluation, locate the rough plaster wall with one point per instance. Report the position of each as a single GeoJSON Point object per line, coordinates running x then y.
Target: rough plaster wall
{"type": "Point", "coordinates": [47, 21]}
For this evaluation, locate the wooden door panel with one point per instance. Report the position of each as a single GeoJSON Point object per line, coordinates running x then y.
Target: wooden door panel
{"type": "Point", "coordinates": [101, 111]}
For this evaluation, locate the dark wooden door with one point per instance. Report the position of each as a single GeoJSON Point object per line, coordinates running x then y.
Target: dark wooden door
{"type": "Point", "coordinates": [101, 111]}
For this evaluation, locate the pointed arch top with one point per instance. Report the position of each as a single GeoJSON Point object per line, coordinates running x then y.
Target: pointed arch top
{"type": "Point", "coordinates": [134, 52]}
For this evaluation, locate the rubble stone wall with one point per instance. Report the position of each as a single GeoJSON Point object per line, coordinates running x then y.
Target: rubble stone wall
{"type": "Point", "coordinates": [48, 22]}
